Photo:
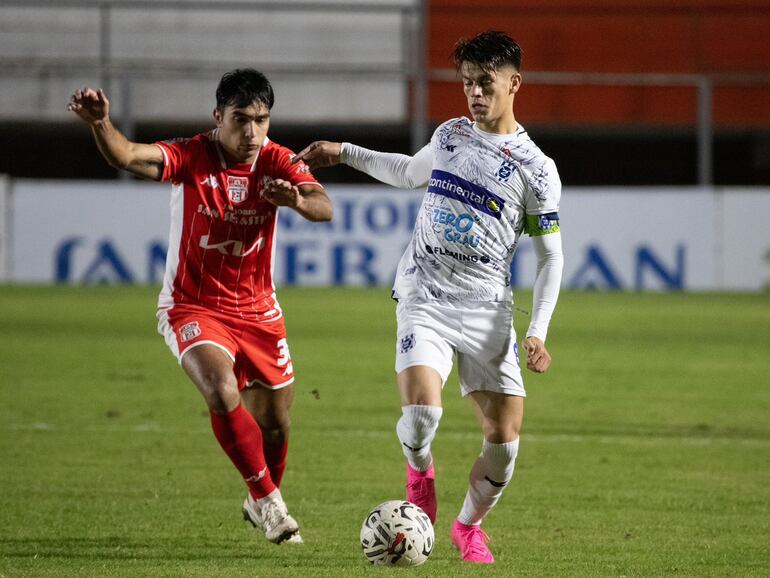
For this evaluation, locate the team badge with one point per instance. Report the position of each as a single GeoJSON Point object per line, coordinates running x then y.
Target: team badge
{"type": "Point", "coordinates": [190, 331]}
{"type": "Point", "coordinates": [237, 189]}
{"type": "Point", "coordinates": [505, 171]}
{"type": "Point", "coordinates": [544, 222]}
{"type": "Point", "coordinates": [407, 343]}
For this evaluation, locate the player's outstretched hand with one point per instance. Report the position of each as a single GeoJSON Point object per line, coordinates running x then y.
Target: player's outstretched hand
{"type": "Point", "coordinates": [282, 194]}
{"type": "Point", "coordinates": [319, 154]}
{"type": "Point", "coordinates": [90, 105]}
{"type": "Point", "coordinates": [538, 358]}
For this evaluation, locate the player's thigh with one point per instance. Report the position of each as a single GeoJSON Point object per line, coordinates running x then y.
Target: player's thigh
{"type": "Point", "coordinates": [419, 385]}
{"type": "Point", "coordinates": [205, 348]}
{"type": "Point", "coordinates": [500, 415]}
{"type": "Point", "coordinates": [211, 370]}
{"type": "Point", "coordinates": [426, 338]}
{"type": "Point", "coordinates": [488, 358]}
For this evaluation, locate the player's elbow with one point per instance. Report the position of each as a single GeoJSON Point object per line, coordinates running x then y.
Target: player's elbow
{"type": "Point", "coordinates": [325, 215]}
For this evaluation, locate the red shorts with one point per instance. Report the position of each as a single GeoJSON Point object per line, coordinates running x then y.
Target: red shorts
{"type": "Point", "coordinates": [258, 349]}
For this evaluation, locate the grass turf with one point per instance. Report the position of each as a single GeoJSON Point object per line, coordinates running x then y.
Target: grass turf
{"type": "Point", "coordinates": [644, 451]}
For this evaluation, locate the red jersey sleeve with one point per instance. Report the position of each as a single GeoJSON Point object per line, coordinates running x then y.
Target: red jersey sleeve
{"type": "Point", "coordinates": [175, 155]}
{"type": "Point", "coordinates": [297, 174]}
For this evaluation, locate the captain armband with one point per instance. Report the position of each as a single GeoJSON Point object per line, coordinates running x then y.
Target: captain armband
{"type": "Point", "coordinates": [538, 225]}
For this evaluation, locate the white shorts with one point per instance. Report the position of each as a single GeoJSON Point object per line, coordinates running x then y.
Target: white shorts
{"type": "Point", "coordinates": [480, 333]}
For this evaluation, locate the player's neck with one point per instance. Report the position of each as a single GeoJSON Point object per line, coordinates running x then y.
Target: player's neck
{"type": "Point", "coordinates": [503, 125]}
{"type": "Point", "coordinates": [237, 161]}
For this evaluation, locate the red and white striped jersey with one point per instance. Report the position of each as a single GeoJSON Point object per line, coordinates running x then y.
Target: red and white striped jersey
{"type": "Point", "coordinates": [220, 250]}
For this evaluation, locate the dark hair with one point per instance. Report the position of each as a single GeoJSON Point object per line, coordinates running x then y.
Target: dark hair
{"type": "Point", "coordinates": [242, 87]}
{"type": "Point", "coordinates": [488, 50]}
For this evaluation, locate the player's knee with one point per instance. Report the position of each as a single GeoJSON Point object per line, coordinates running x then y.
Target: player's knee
{"type": "Point", "coordinates": [418, 423]}
{"type": "Point", "coordinates": [276, 434]}
{"type": "Point", "coordinates": [275, 423]}
{"type": "Point", "coordinates": [498, 460]}
{"type": "Point", "coordinates": [498, 433]}
{"type": "Point", "coordinates": [220, 392]}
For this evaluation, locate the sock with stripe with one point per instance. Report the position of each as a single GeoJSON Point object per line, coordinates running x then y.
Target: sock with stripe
{"type": "Point", "coordinates": [489, 476]}
{"type": "Point", "coordinates": [416, 429]}
{"type": "Point", "coordinates": [241, 439]}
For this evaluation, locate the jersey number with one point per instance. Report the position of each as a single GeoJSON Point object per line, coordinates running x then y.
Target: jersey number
{"type": "Point", "coordinates": [284, 359]}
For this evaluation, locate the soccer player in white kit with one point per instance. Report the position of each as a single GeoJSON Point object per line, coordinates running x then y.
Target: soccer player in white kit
{"type": "Point", "coordinates": [486, 184]}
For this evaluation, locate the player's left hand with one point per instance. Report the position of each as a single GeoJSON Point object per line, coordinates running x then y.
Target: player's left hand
{"type": "Point", "coordinates": [538, 358]}
{"type": "Point", "coordinates": [282, 194]}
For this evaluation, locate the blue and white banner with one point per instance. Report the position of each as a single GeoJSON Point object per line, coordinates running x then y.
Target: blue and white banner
{"type": "Point", "coordinates": [616, 239]}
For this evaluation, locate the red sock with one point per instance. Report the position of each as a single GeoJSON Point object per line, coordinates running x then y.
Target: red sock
{"type": "Point", "coordinates": [275, 456]}
{"type": "Point", "coordinates": [240, 437]}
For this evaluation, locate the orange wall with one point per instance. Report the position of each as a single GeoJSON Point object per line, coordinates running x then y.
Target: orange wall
{"type": "Point", "coordinates": [696, 36]}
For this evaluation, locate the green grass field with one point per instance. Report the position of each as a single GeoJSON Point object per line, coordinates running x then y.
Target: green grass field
{"type": "Point", "coordinates": [645, 449]}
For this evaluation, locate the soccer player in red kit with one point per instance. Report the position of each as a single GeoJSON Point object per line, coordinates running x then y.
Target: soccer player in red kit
{"type": "Point", "coordinates": [218, 310]}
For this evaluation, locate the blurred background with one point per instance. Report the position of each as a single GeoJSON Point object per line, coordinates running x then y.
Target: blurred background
{"type": "Point", "coordinates": [657, 114]}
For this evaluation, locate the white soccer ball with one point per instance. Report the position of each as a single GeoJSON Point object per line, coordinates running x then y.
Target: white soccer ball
{"type": "Point", "coordinates": [397, 533]}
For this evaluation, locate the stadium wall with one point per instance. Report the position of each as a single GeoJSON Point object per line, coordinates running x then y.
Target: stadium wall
{"type": "Point", "coordinates": [724, 39]}
{"type": "Point", "coordinates": [86, 232]}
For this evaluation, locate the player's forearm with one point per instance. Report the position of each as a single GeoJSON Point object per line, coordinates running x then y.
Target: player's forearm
{"type": "Point", "coordinates": [315, 208]}
{"type": "Point", "coordinates": [392, 169]}
{"type": "Point", "coordinates": [143, 160]}
{"type": "Point", "coordinates": [550, 262]}
{"type": "Point", "coordinates": [115, 147]}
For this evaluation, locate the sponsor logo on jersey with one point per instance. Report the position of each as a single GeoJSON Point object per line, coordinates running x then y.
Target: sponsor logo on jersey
{"type": "Point", "coordinates": [237, 189]}
{"type": "Point", "coordinates": [232, 246]}
{"type": "Point", "coordinates": [211, 181]}
{"type": "Point", "coordinates": [446, 134]}
{"type": "Point", "coordinates": [407, 343]}
{"type": "Point", "coordinates": [459, 128]}
{"type": "Point", "coordinates": [456, 255]}
{"type": "Point", "coordinates": [457, 227]}
{"type": "Point", "coordinates": [302, 168]}
{"type": "Point", "coordinates": [176, 140]}
{"type": "Point", "coordinates": [471, 194]}
{"type": "Point", "coordinates": [189, 331]}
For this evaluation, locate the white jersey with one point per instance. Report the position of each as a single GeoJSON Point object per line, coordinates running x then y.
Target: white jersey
{"type": "Point", "coordinates": [484, 190]}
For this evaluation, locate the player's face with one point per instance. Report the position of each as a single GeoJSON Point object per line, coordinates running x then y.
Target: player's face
{"type": "Point", "coordinates": [490, 94]}
{"type": "Point", "coordinates": [242, 130]}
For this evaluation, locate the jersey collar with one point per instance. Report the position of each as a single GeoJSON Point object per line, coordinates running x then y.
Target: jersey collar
{"type": "Point", "coordinates": [221, 154]}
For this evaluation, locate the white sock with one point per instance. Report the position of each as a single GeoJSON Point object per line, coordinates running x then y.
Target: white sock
{"type": "Point", "coordinates": [489, 476]}
{"type": "Point", "coordinates": [416, 429]}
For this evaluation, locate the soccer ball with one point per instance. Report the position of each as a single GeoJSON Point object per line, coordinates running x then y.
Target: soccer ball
{"type": "Point", "coordinates": [397, 533]}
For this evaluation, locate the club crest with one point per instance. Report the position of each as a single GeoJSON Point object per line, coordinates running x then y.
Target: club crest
{"type": "Point", "coordinates": [190, 331]}
{"type": "Point", "coordinates": [237, 189]}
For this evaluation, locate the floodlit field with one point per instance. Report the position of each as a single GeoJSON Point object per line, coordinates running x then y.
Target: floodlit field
{"type": "Point", "coordinates": [645, 451]}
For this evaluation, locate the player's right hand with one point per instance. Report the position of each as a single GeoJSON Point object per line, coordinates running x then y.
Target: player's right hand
{"type": "Point", "coordinates": [319, 154]}
{"type": "Point", "coordinates": [90, 105]}
{"type": "Point", "coordinates": [538, 358]}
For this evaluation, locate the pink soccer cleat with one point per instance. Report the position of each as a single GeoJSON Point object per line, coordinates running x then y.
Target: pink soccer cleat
{"type": "Point", "coordinates": [421, 491]}
{"type": "Point", "coordinates": [472, 543]}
